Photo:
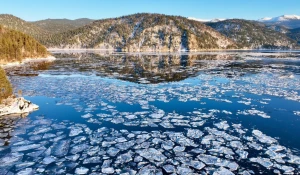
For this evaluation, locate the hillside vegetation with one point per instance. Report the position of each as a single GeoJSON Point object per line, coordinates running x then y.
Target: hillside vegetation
{"type": "Point", "coordinates": [5, 86]}
{"type": "Point", "coordinates": [155, 32]}
{"type": "Point", "coordinates": [253, 35]}
{"type": "Point", "coordinates": [15, 23]}
{"type": "Point", "coordinates": [143, 32]}
{"type": "Point", "coordinates": [295, 34]}
{"type": "Point", "coordinates": [15, 46]}
{"type": "Point", "coordinates": [61, 25]}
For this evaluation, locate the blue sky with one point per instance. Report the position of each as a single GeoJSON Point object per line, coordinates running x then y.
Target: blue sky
{"type": "Point", "coordinates": [31, 10]}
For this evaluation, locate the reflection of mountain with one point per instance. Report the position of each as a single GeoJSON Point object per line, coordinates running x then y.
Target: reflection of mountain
{"type": "Point", "coordinates": [138, 68]}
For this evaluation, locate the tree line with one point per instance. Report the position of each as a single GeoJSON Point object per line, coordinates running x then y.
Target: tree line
{"type": "Point", "coordinates": [15, 46]}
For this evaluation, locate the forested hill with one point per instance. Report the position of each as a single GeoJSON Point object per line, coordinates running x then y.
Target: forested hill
{"type": "Point", "coordinates": [15, 23]}
{"type": "Point", "coordinates": [143, 32]}
{"type": "Point", "coordinates": [15, 46]}
{"type": "Point", "coordinates": [252, 34]}
{"type": "Point", "coordinates": [61, 25]}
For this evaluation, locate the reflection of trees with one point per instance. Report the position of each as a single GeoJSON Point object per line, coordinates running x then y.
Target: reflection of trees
{"type": "Point", "coordinates": [7, 125]}
{"type": "Point", "coordinates": [131, 67]}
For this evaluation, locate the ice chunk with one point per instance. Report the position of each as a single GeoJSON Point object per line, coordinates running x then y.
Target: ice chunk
{"type": "Point", "coordinates": [27, 171]}
{"type": "Point", "coordinates": [179, 148]}
{"type": "Point", "coordinates": [81, 170]}
{"type": "Point", "coordinates": [262, 137]}
{"type": "Point", "coordinates": [276, 148]}
{"type": "Point", "coordinates": [61, 148]}
{"type": "Point", "coordinates": [149, 170]}
{"type": "Point", "coordinates": [194, 133]}
{"type": "Point", "coordinates": [48, 160]}
{"type": "Point", "coordinates": [79, 148]}
{"type": "Point", "coordinates": [24, 165]}
{"type": "Point", "coordinates": [88, 115]}
{"type": "Point", "coordinates": [124, 158]}
{"type": "Point", "coordinates": [169, 168]}
{"type": "Point", "coordinates": [25, 147]}
{"type": "Point", "coordinates": [208, 159]}
{"type": "Point", "coordinates": [152, 155]}
{"type": "Point", "coordinates": [263, 161]}
{"type": "Point", "coordinates": [222, 125]}
{"type": "Point", "coordinates": [113, 151]}
{"type": "Point", "coordinates": [184, 171]}
{"type": "Point", "coordinates": [108, 170]}
{"type": "Point", "coordinates": [196, 164]}
{"type": "Point", "coordinates": [10, 159]}
{"type": "Point", "coordinates": [75, 131]}
{"type": "Point", "coordinates": [223, 171]}
{"type": "Point", "coordinates": [167, 145]}
{"type": "Point", "coordinates": [73, 157]}
{"type": "Point", "coordinates": [243, 154]}
{"type": "Point", "coordinates": [92, 160]}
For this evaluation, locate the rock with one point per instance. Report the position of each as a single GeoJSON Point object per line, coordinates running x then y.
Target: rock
{"type": "Point", "coordinates": [17, 106]}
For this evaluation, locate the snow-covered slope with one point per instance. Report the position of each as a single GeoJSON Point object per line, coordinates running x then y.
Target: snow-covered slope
{"type": "Point", "coordinates": [280, 18]}
{"type": "Point", "coordinates": [207, 20]}
{"type": "Point", "coordinates": [289, 21]}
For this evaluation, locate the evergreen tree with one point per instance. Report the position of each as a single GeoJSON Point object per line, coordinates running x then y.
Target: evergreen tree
{"type": "Point", "coordinates": [5, 86]}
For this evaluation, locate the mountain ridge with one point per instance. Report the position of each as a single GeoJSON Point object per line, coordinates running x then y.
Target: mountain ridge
{"type": "Point", "coordinates": [151, 32]}
{"type": "Point", "coordinates": [144, 32]}
{"type": "Point", "coordinates": [61, 25]}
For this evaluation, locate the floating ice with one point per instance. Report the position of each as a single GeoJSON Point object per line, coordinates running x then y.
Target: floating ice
{"type": "Point", "coordinates": [79, 148]}
{"type": "Point", "coordinates": [108, 170]}
{"type": "Point", "coordinates": [10, 159]}
{"type": "Point", "coordinates": [223, 171]}
{"type": "Point", "coordinates": [152, 155]}
{"type": "Point", "coordinates": [167, 145]}
{"type": "Point", "coordinates": [88, 115]}
{"type": "Point", "coordinates": [81, 170]}
{"type": "Point", "coordinates": [26, 171]}
{"type": "Point", "coordinates": [61, 148]}
{"type": "Point", "coordinates": [263, 161]}
{"type": "Point", "coordinates": [75, 131]}
{"type": "Point", "coordinates": [48, 160]}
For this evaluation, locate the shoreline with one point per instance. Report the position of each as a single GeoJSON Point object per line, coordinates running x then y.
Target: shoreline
{"type": "Point", "coordinates": [26, 60]}
{"type": "Point", "coordinates": [180, 51]}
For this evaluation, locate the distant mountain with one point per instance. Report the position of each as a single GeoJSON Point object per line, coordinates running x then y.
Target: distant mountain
{"type": "Point", "coordinates": [16, 45]}
{"type": "Point", "coordinates": [252, 34]}
{"type": "Point", "coordinates": [207, 20]}
{"type": "Point", "coordinates": [18, 24]}
{"type": "Point", "coordinates": [289, 21]}
{"type": "Point", "coordinates": [61, 25]}
{"type": "Point", "coordinates": [143, 32]}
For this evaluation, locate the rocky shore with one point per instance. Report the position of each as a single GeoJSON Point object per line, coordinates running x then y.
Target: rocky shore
{"type": "Point", "coordinates": [17, 106]}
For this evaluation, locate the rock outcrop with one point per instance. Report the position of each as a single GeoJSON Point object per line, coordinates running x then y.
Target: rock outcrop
{"type": "Point", "coordinates": [17, 106]}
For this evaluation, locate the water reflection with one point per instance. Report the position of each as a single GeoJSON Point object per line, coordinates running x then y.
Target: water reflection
{"type": "Point", "coordinates": [138, 68]}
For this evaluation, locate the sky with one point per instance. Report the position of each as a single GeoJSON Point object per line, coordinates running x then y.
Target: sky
{"type": "Point", "coordinates": [32, 10]}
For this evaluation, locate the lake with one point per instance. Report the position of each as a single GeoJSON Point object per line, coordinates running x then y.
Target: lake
{"type": "Point", "coordinates": [156, 113]}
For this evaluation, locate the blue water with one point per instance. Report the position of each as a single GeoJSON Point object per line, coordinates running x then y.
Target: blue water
{"type": "Point", "coordinates": [208, 91]}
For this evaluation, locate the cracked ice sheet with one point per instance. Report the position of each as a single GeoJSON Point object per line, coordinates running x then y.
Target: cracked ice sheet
{"type": "Point", "coordinates": [169, 151]}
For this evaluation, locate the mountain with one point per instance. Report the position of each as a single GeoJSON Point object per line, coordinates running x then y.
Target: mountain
{"type": "Point", "coordinates": [143, 32]}
{"type": "Point", "coordinates": [289, 21]}
{"type": "Point", "coordinates": [18, 24]}
{"type": "Point", "coordinates": [61, 25]}
{"type": "Point", "coordinates": [15, 45]}
{"type": "Point", "coordinates": [206, 20]}
{"type": "Point", "coordinates": [295, 34]}
{"type": "Point", "coordinates": [252, 34]}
